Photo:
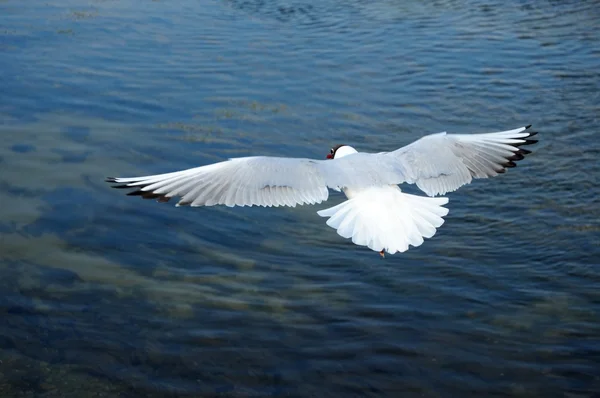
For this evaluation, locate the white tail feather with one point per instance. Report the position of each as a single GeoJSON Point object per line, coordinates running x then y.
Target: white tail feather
{"type": "Point", "coordinates": [384, 218]}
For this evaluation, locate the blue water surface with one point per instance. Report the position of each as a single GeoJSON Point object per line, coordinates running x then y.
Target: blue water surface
{"type": "Point", "coordinates": [107, 295]}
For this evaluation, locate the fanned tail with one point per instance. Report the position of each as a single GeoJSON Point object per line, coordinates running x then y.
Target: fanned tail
{"type": "Point", "coordinates": [385, 218]}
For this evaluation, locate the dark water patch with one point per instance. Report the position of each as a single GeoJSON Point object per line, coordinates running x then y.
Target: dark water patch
{"type": "Point", "coordinates": [83, 14]}
{"type": "Point", "coordinates": [22, 148]}
{"type": "Point", "coordinates": [77, 133]}
{"type": "Point", "coordinates": [64, 203]}
{"type": "Point", "coordinates": [72, 157]}
{"type": "Point", "coordinates": [20, 192]}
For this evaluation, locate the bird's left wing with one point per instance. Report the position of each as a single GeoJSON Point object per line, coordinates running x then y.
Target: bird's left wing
{"type": "Point", "coordinates": [258, 180]}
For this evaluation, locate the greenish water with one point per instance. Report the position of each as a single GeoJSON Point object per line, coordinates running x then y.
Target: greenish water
{"type": "Point", "coordinates": [107, 295]}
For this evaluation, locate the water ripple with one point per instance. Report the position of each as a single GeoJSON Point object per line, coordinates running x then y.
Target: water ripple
{"type": "Point", "coordinates": [136, 298]}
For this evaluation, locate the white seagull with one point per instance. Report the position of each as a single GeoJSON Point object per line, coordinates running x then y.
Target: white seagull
{"type": "Point", "coordinates": [377, 213]}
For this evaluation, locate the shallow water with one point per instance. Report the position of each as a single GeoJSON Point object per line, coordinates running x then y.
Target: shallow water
{"type": "Point", "coordinates": [107, 294]}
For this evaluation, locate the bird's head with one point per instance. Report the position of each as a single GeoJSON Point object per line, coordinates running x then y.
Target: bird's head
{"type": "Point", "coordinates": [339, 151]}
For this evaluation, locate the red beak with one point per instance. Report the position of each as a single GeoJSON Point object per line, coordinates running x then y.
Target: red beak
{"type": "Point", "coordinates": [329, 156]}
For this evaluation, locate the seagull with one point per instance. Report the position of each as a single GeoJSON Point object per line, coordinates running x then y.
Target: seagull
{"type": "Point", "coordinates": [376, 214]}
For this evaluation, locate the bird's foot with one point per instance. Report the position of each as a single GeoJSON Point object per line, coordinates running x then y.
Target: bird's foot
{"type": "Point", "coordinates": [382, 253]}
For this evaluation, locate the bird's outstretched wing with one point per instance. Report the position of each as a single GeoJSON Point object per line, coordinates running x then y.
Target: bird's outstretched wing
{"type": "Point", "coordinates": [259, 180]}
{"type": "Point", "coordinates": [437, 163]}
{"type": "Point", "coordinates": [440, 163]}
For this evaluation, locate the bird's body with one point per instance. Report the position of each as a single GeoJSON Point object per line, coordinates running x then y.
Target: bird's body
{"type": "Point", "coordinates": [377, 213]}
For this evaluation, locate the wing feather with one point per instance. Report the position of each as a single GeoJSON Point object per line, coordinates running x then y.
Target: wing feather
{"type": "Point", "coordinates": [441, 163]}
{"type": "Point", "coordinates": [259, 180]}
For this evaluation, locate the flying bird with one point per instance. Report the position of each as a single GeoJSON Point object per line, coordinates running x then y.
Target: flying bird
{"type": "Point", "coordinates": [376, 214]}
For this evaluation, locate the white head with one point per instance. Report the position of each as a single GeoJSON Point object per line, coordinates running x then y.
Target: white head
{"type": "Point", "coordinates": [339, 151]}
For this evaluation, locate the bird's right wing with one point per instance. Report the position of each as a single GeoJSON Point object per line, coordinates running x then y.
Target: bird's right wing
{"type": "Point", "coordinates": [259, 180]}
{"type": "Point", "coordinates": [436, 163]}
{"type": "Point", "coordinates": [440, 163]}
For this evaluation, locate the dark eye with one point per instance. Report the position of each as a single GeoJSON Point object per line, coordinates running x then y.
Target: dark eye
{"type": "Point", "coordinates": [331, 150]}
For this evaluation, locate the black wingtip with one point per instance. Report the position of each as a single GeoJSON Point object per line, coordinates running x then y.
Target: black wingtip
{"type": "Point", "coordinates": [523, 151]}
{"type": "Point", "coordinates": [527, 142]}
{"type": "Point", "coordinates": [162, 198]}
{"type": "Point", "coordinates": [136, 193]}
{"type": "Point", "coordinates": [149, 195]}
{"type": "Point", "coordinates": [516, 157]}
{"type": "Point", "coordinates": [113, 180]}
{"type": "Point", "coordinates": [519, 153]}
